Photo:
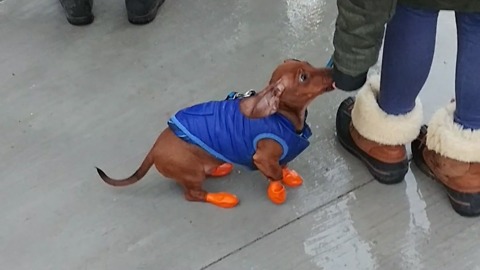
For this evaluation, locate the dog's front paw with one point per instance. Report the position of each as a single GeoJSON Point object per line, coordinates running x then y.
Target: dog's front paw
{"type": "Point", "coordinates": [276, 192]}
{"type": "Point", "coordinates": [291, 178]}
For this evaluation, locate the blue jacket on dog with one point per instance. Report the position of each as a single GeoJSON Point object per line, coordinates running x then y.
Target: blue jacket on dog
{"type": "Point", "coordinates": [219, 128]}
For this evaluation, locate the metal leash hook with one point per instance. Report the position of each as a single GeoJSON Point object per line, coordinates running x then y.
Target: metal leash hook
{"type": "Point", "coordinates": [249, 93]}
{"type": "Point", "coordinates": [236, 95]}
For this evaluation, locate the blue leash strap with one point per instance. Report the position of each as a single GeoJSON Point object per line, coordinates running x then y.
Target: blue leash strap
{"type": "Point", "coordinates": [330, 62]}
{"type": "Point", "coordinates": [231, 95]}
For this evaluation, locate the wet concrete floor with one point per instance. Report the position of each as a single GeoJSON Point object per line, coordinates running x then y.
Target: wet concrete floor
{"type": "Point", "coordinates": [73, 98]}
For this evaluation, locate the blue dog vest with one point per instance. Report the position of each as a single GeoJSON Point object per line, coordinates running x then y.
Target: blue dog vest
{"type": "Point", "coordinates": [219, 128]}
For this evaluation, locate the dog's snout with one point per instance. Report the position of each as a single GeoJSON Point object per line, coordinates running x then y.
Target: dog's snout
{"type": "Point", "coordinates": [328, 79]}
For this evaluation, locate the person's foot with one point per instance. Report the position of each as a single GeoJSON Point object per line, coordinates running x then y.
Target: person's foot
{"type": "Point", "coordinates": [387, 164]}
{"type": "Point", "coordinates": [451, 156]}
{"type": "Point", "coordinates": [78, 12]}
{"type": "Point", "coordinates": [142, 11]}
{"type": "Point", "coordinates": [374, 137]}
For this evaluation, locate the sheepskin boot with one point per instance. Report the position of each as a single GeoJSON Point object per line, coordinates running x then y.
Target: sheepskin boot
{"type": "Point", "coordinates": [375, 137]}
{"type": "Point", "coordinates": [450, 154]}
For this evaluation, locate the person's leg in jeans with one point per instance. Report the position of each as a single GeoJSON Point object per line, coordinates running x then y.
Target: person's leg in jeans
{"type": "Point", "coordinates": [449, 149]}
{"type": "Point", "coordinates": [386, 115]}
{"type": "Point", "coordinates": [407, 57]}
{"type": "Point", "coordinates": [467, 79]}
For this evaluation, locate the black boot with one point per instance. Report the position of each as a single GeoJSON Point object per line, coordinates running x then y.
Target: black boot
{"type": "Point", "coordinates": [142, 11]}
{"type": "Point", "coordinates": [78, 12]}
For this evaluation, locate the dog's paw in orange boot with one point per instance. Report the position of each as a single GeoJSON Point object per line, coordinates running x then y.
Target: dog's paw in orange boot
{"type": "Point", "coordinates": [276, 192]}
{"type": "Point", "coordinates": [222, 199]}
{"type": "Point", "coordinates": [222, 170]}
{"type": "Point", "coordinates": [291, 178]}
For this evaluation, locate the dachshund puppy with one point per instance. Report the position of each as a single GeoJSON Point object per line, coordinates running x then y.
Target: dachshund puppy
{"type": "Point", "coordinates": [263, 132]}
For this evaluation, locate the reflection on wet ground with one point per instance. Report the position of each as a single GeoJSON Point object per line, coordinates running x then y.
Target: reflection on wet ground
{"type": "Point", "coordinates": [78, 97]}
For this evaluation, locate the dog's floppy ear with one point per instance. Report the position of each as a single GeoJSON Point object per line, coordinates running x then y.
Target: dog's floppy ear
{"type": "Point", "coordinates": [291, 60]}
{"type": "Point", "coordinates": [265, 103]}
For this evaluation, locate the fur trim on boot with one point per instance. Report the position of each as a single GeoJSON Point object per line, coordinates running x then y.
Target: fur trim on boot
{"type": "Point", "coordinates": [449, 139]}
{"type": "Point", "coordinates": [376, 125]}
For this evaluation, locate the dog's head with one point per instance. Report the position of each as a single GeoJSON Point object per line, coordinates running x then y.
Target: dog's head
{"type": "Point", "coordinates": [294, 84]}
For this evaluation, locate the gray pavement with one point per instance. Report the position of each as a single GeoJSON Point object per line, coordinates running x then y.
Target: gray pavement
{"type": "Point", "coordinates": [73, 98]}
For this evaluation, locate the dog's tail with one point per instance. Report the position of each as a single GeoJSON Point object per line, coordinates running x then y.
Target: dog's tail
{"type": "Point", "coordinates": [139, 174]}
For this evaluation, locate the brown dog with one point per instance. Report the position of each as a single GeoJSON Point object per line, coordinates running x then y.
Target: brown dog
{"type": "Point", "coordinates": [293, 86]}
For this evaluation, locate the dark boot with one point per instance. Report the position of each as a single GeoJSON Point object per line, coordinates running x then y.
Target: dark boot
{"type": "Point", "coordinates": [451, 156]}
{"type": "Point", "coordinates": [374, 137]}
{"type": "Point", "coordinates": [142, 11]}
{"type": "Point", "coordinates": [78, 12]}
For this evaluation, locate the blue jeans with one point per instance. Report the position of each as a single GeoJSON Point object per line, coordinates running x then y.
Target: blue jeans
{"type": "Point", "coordinates": [408, 54]}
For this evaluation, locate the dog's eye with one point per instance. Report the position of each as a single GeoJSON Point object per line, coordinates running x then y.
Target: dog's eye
{"type": "Point", "coordinates": [303, 77]}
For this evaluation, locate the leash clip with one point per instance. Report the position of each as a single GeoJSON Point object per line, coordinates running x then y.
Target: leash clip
{"type": "Point", "coordinates": [236, 95]}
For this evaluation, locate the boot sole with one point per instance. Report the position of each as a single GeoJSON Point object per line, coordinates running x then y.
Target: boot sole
{"type": "Point", "coordinates": [144, 19]}
{"type": "Point", "coordinates": [79, 21]}
{"type": "Point", "coordinates": [464, 204]}
{"type": "Point", "coordinates": [387, 174]}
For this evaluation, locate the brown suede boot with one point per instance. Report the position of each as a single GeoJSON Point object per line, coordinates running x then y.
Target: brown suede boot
{"type": "Point", "coordinates": [451, 156]}
{"type": "Point", "coordinates": [376, 138]}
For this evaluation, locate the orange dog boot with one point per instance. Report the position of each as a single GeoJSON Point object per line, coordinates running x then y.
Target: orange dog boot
{"type": "Point", "coordinates": [291, 178]}
{"type": "Point", "coordinates": [276, 192]}
{"type": "Point", "coordinates": [222, 170]}
{"type": "Point", "coordinates": [222, 199]}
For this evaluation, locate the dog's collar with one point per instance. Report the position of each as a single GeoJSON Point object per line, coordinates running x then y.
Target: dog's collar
{"type": "Point", "coordinates": [305, 125]}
